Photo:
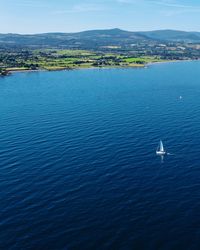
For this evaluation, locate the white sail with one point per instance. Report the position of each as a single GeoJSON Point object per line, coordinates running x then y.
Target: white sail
{"type": "Point", "coordinates": [161, 147]}
{"type": "Point", "coordinates": [160, 150]}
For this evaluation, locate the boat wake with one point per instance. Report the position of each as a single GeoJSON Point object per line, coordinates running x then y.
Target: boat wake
{"type": "Point", "coordinates": [170, 154]}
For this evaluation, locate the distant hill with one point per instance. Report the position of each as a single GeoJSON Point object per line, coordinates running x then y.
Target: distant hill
{"type": "Point", "coordinates": [85, 40]}
{"type": "Point", "coordinates": [97, 38]}
{"type": "Point", "coordinates": [173, 35]}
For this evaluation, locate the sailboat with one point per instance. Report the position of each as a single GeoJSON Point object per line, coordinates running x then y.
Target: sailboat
{"type": "Point", "coordinates": [160, 150]}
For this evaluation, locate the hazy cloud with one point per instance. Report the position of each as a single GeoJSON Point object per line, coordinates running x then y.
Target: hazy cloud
{"type": "Point", "coordinates": [165, 3]}
{"type": "Point", "coordinates": [81, 8]}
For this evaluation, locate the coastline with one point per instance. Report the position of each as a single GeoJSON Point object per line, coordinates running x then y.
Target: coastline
{"type": "Point", "coordinates": [10, 71]}
{"type": "Point", "coordinates": [77, 68]}
{"type": "Point", "coordinates": [173, 61]}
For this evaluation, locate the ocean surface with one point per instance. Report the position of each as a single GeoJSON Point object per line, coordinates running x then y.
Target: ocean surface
{"type": "Point", "coordinates": [78, 168]}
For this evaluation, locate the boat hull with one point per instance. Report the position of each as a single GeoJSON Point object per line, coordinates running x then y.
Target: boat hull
{"type": "Point", "coordinates": [160, 152]}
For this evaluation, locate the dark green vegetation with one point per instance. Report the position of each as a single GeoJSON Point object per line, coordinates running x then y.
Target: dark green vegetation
{"type": "Point", "coordinates": [99, 48]}
{"type": "Point", "coordinates": [3, 72]}
{"type": "Point", "coordinates": [57, 59]}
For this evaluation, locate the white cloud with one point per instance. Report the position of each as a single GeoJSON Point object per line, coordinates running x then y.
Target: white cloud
{"type": "Point", "coordinates": [165, 3]}
{"type": "Point", "coordinates": [167, 7]}
{"type": "Point", "coordinates": [171, 3]}
{"type": "Point", "coordinates": [81, 8]}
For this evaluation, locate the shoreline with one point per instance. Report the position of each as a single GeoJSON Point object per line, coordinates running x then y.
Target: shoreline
{"type": "Point", "coordinates": [173, 61]}
{"type": "Point", "coordinates": [10, 72]}
{"type": "Point", "coordinates": [70, 69]}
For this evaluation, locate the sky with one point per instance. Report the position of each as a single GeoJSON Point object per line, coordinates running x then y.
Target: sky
{"type": "Point", "coordinates": [41, 16]}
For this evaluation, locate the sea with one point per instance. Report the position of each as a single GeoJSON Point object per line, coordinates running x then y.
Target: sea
{"type": "Point", "coordinates": [78, 163]}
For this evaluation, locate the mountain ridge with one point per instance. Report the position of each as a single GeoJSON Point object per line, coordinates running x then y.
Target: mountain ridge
{"type": "Point", "coordinates": [91, 30]}
{"type": "Point", "coordinates": [92, 39]}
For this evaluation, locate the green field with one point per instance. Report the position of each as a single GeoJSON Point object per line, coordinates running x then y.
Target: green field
{"type": "Point", "coordinates": [57, 59]}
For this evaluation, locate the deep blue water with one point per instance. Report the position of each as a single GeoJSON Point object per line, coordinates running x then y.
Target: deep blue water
{"type": "Point", "coordinates": [78, 168]}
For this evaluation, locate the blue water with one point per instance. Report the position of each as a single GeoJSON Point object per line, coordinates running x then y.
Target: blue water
{"type": "Point", "coordinates": [78, 168]}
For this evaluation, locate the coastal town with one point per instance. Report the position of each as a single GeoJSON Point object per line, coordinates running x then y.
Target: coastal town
{"type": "Point", "coordinates": [90, 51]}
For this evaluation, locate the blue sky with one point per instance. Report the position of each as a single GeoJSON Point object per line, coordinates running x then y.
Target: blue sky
{"type": "Point", "coordinates": [38, 16]}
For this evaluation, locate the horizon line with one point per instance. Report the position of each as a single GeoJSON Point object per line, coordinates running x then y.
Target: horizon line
{"type": "Point", "coordinates": [100, 29]}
